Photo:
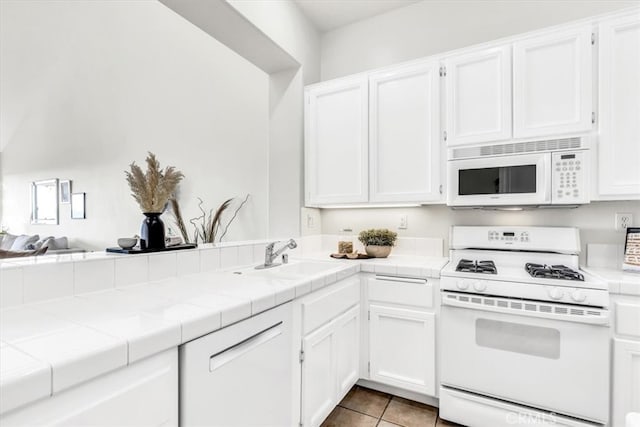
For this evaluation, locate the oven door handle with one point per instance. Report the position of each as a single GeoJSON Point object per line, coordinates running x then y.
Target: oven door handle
{"type": "Point", "coordinates": [602, 319]}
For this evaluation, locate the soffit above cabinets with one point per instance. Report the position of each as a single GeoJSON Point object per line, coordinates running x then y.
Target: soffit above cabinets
{"type": "Point", "coordinates": [327, 15]}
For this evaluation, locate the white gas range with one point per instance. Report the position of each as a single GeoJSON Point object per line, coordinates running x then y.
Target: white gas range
{"type": "Point", "coordinates": [525, 337]}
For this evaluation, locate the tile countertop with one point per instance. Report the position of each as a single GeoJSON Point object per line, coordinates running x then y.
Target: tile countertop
{"type": "Point", "coordinates": [619, 281]}
{"type": "Point", "coordinates": [50, 346]}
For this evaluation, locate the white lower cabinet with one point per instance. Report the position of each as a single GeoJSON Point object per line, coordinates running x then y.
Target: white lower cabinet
{"type": "Point", "coordinates": [626, 379]}
{"type": "Point", "coordinates": [347, 339]}
{"type": "Point", "coordinates": [329, 365]}
{"type": "Point", "coordinates": [625, 392]}
{"type": "Point", "coordinates": [142, 394]}
{"type": "Point", "coordinates": [402, 333]}
{"type": "Point", "coordinates": [402, 348]}
{"type": "Point", "coordinates": [318, 379]}
{"type": "Point", "coordinates": [329, 334]}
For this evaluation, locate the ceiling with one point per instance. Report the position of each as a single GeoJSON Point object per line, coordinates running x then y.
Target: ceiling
{"type": "Point", "coordinates": [327, 15]}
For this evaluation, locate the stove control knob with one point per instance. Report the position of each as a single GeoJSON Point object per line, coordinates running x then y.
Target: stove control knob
{"type": "Point", "coordinates": [556, 293]}
{"type": "Point", "coordinates": [578, 295]}
{"type": "Point", "coordinates": [462, 284]}
{"type": "Point", "coordinates": [480, 286]}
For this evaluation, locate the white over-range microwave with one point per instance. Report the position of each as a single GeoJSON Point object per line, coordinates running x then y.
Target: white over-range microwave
{"type": "Point", "coordinates": [537, 173]}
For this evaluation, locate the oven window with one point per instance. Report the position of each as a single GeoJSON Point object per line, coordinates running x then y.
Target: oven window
{"type": "Point", "coordinates": [498, 180]}
{"type": "Point", "coordinates": [518, 338]}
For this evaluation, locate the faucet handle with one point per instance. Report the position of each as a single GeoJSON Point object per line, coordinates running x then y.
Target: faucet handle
{"type": "Point", "coordinates": [285, 258]}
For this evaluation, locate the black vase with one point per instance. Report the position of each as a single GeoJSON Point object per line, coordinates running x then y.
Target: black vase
{"type": "Point", "coordinates": [152, 232]}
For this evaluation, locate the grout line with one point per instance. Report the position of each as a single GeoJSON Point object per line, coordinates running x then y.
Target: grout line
{"type": "Point", "coordinates": [385, 409]}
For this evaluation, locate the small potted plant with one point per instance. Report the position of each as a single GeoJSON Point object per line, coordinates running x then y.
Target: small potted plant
{"type": "Point", "coordinates": [378, 242]}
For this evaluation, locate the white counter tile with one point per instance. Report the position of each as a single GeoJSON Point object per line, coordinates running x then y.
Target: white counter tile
{"type": "Point", "coordinates": [188, 262]}
{"type": "Point", "coordinates": [94, 275]}
{"type": "Point", "coordinates": [209, 259]}
{"type": "Point", "coordinates": [228, 257]}
{"type": "Point", "coordinates": [619, 281]}
{"type": "Point", "coordinates": [245, 255]}
{"type": "Point", "coordinates": [11, 286]}
{"type": "Point", "coordinates": [47, 281]}
{"type": "Point", "coordinates": [162, 265]}
{"type": "Point", "coordinates": [131, 270]}
{"type": "Point", "coordinates": [22, 378]}
{"type": "Point", "coordinates": [76, 354]}
{"type": "Point", "coordinates": [19, 323]}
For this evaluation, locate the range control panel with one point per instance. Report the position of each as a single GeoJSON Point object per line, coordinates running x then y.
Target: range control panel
{"type": "Point", "coordinates": [508, 236]}
{"type": "Point", "coordinates": [569, 180]}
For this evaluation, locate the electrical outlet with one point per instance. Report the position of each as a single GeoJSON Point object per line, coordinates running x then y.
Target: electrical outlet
{"type": "Point", "coordinates": [404, 222]}
{"type": "Point", "coordinates": [623, 220]}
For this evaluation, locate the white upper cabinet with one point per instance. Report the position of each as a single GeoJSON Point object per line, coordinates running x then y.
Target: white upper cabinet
{"type": "Point", "coordinates": [619, 99]}
{"type": "Point", "coordinates": [552, 83]}
{"type": "Point", "coordinates": [404, 128]}
{"type": "Point", "coordinates": [478, 96]}
{"type": "Point", "coordinates": [336, 135]}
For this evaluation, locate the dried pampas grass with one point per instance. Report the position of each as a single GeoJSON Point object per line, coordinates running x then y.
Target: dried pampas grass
{"type": "Point", "coordinates": [154, 188]}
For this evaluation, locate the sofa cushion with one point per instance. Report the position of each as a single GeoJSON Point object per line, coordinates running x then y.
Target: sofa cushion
{"type": "Point", "coordinates": [7, 241]}
{"type": "Point", "coordinates": [22, 241]}
{"type": "Point", "coordinates": [38, 244]}
{"type": "Point", "coordinates": [53, 243]}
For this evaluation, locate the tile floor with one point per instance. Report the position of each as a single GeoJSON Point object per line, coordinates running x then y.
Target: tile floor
{"type": "Point", "coordinates": [363, 407]}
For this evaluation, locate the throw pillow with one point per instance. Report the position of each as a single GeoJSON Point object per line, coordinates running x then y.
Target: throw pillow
{"type": "Point", "coordinates": [22, 241]}
{"type": "Point", "coordinates": [7, 241]}
{"type": "Point", "coordinates": [59, 243]}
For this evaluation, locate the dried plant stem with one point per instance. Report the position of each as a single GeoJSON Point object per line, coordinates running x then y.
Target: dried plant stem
{"type": "Point", "coordinates": [235, 214]}
{"type": "Point", "coordinates": [177, 216]}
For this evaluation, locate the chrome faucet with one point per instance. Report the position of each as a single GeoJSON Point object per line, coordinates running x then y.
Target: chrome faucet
{"type": "Point", "coordinates": [270, 255]}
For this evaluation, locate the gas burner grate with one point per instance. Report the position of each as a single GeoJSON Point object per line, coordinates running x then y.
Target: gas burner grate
{"type": "Point", "coordinates": [469, 266]}
{"type": "Point", "coordinates": [544, 271]}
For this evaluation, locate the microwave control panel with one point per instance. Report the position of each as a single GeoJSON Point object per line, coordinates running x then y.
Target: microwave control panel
{"type": "Point", "coordinates": [569, 181]}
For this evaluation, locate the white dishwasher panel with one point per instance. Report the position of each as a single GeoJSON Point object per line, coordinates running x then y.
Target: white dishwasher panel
{"type": "Point", "coordinates": [240, 375]}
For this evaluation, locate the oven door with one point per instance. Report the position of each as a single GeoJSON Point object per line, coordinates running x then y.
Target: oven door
{"type": "Point", "coordinates": [555, 365]}
{"type": "Point", "coordinates": [510, 180]}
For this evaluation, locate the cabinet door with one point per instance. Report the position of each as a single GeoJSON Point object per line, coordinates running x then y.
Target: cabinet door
{"type": "Point", "coordinates": [552, 83]}
{"type": "Point", "coordinates": [347, 337]}
{"type": "Point", "coordinates": [318, 376]}
{"type": "Point", "coordinates": [619, 142]}
{"type": "Point", "coordinates": [402, 348]}
{"type": "Point", "coordinates": [336, 138]}
{"type": "Point", "coordinates": [478, 96]}
{"type": "Point", "coordinates": [626, 380]}
{"type": "Point", "coordinates": [404, 134]}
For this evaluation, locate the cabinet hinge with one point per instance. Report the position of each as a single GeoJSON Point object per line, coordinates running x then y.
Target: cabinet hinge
{"type": "Point", "coordinates": [443, 71]}
{"type": "Point", "coordinates": [593, 38]}
{"type": "Point", "coordinates": [440, 189]}
{"type": "Point", "coordinates": [593, 117]}
{"type": "Point", "coordinates": [301, 356]}
{"type": "Point", "coordinates": [444, 134]}
{"type": "Point", "coordinates": [369, 367]}
{"type": "Point", "coordinates": [368, 315]}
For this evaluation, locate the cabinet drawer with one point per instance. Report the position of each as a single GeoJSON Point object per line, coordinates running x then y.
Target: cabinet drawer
{"type": "Point", "coordinates": [627, 318]}
{"type": "Point", "coordinates": [329, 303]}
{"type": "Point", "coordinates": [399, 290]}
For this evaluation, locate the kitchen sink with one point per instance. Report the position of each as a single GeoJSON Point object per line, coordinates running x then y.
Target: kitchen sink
{"type": "Point", "coordinates": [295, 270]}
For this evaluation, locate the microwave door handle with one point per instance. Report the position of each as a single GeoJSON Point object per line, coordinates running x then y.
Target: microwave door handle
{"type": "Point", "coordinates": [548, 180]}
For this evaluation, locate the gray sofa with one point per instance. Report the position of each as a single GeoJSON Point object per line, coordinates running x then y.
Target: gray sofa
{"type": "Point", "coordinates": [24, 242]}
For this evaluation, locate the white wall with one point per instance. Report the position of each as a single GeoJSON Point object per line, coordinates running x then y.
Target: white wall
{"type": "Point", "coordinates": [432, 26]}
{"type": "Point", "coordinates": [284, 23]}
{"type": "Point", "coordinates": [88, 87]}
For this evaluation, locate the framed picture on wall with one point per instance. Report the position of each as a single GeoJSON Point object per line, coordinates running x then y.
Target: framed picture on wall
{"type": "Point", "coordinates": [65, 191]}
{"type": "Point", "coordinates": [632, 250]}
{"type": "Point", "coordinates": [78, 206]}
